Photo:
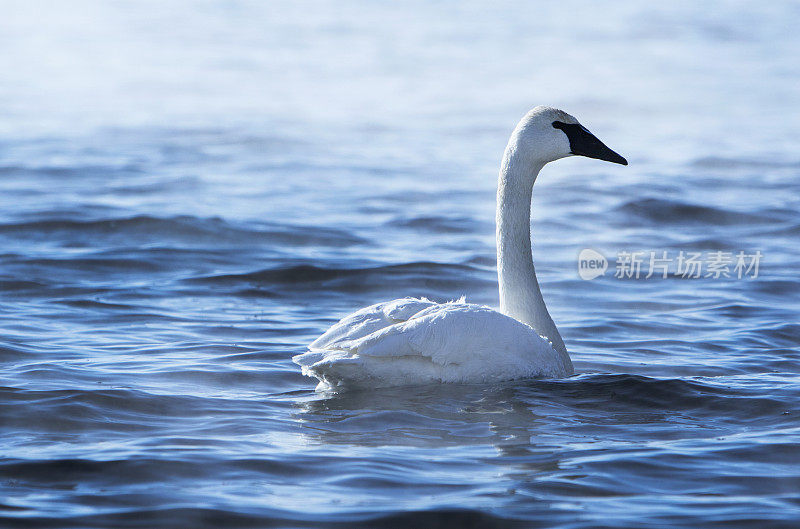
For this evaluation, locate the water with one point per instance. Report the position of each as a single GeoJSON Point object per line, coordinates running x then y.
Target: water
{"type": "Point", "coordinates": [191, 192]}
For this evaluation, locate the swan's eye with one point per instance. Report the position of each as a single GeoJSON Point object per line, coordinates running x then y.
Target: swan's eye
{"type": "Point", "coordinates": [569, 129]}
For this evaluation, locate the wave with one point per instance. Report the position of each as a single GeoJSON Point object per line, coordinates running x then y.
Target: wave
{"type": "Point", "coordinates": [74, 171]}
{"type": "Point", "coordinates": [585, 393]}
{"type": "Point", "coordinates": [625, 393]}
{"type": "Point", "coordinates": [664, 211]}
{"type": "Point", "coordinates": [437, 224]}
{"type": "Point", "coordinates": [422, 274]}
{"type": "Point", "coordinates": [718, 162]}
{"type": "Point", "coordinates": [182, 517]}
{"type": "Point", "coordinates": [143, 229]}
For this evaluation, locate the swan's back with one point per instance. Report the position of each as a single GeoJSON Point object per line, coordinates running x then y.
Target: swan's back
{"type": "Point", "coordinates": [416, 341]}
{"type": "Point", "coordinates": [370, 319]}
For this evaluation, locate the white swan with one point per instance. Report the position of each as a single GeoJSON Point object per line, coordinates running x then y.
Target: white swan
{"type": "Point", "coordinates": [417, 341]}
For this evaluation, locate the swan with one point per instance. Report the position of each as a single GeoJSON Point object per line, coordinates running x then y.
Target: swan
{"type": "Point", "coordinates": [413, 341]}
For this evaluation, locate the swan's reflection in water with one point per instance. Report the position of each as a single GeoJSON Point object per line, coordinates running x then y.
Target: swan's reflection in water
{"type": "Point", "coordinates": [528, 412]}
{"type": "Point", "coordinates": [424, 416]}
{"type": "Point", "coordinates": [460, 428]}
{"type": "Point", "coordinates": [525, 441]}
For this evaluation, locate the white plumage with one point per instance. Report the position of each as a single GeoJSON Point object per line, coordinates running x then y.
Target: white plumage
{"type": "Point", "coordinates": [417, 341]}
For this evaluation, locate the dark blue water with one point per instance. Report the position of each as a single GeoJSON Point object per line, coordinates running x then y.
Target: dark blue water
{"type": "Point", "coordinates": [192, 192]}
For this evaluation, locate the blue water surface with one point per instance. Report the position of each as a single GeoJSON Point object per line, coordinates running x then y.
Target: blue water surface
{"type": "Point", "coordinates": [191, 192]}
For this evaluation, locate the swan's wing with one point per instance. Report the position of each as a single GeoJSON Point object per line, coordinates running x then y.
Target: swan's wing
{"type": "Point", "coordinates": [358, 325]}
{"type": "Point", "coordinates": [368, 320]}
{"type": "Point", "coordinates": [449, 342]}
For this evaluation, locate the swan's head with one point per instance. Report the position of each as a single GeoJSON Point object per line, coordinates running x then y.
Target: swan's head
{"type": "Point", "coordinates": [546, 134]}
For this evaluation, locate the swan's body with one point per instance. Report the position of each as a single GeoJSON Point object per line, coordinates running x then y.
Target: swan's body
{"type": "Point", "coordinates": [417, 341]}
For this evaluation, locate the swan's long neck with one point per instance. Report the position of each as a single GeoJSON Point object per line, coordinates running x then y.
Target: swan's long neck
{"type": "Point", "coordinates": [520, 296]}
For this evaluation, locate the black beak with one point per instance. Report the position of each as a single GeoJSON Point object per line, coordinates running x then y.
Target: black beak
{"type": "Point", "coordinates": [584, 143]}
